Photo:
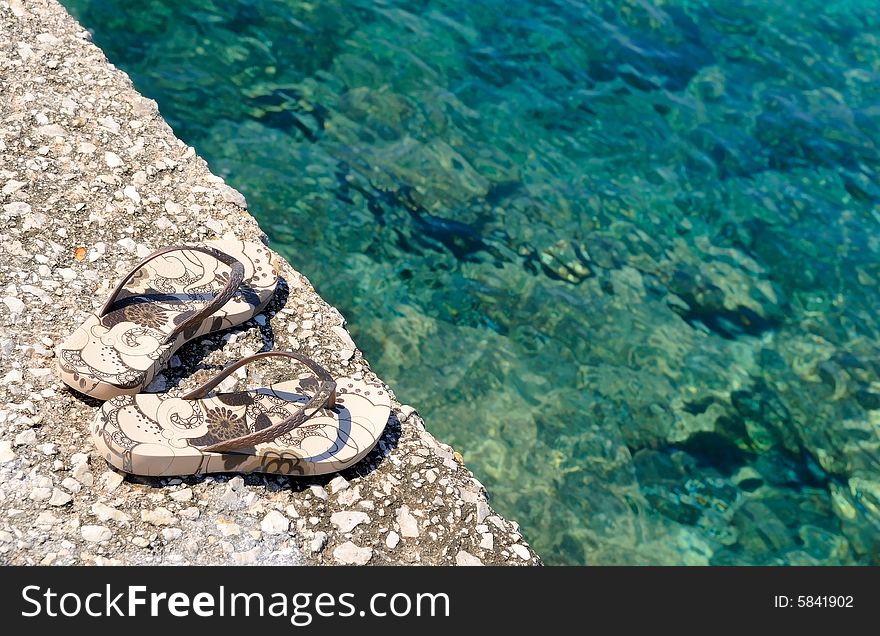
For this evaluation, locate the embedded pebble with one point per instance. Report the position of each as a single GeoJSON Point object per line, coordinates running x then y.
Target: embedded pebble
{"type": "Point", "coordinates": [132, 193]}
{"type": "Point", "coordinates": [246, 558]}
{"type": "Point", "coordinates": [409, 525]}
{"type": "Point", "coordinates": [12, 186]}
{"type": "Point", "coordinates": [275, 523]}
{"type": "Point", "coordinates": [81, 473]}
{"type": "Point", "coordinates": [160, 516]}
{"type": "Point", "coordinates": [182, 495]}
{"type": "Point", "coordinates": [17, 208]}
{"type": "Point", "coordinates": [350, 554]}
{"type": "Point", "coordinates": [71, 484]}
{"type": "Point", "coordinates": [40, 493]}
{"type": "Point", "coordinates": [319, 540]}
{"type": "Point", "coordinates": [172, 208]}
{"type": "Point", "coordinates": [482, 511]}
{"type": "Point", "coordinates": [112, 160]}
{"type": "Point", "coordinates": [392, 539]}
{"type": "Point", "coordinates": [127, 244]}
{"type": "Point", "coordinates": [228, 528]}
{"type": "Point", "coordinates": [232, 196]}
{"type": "Point", "coordinates": [348, 520]}
{"type": "Point", "coordinates": [349, 496]}
{"type": "Point", "coordinates": [110, 481]}
{"type": "Point", "coordinates": [6, 452]}
{"type": "Point", "coordinates": [318, 492]}
{"type": "Point", "coordinates": [108, 513]}
{"type": "Point", "coordinates": [60, 498]}
{"type": "Point", "coordinates": [521, 551]}
{"type": "Point", "coordinates": [192, 513]}
{"type": "Point", "coordinates": [96, 534]}
{"type": "Point", "coordinates": [47, 519]}
{"type": "Point", "coordinates": [487, 541]}
{"type": "Point", "coordinates": [466, 558]}
{"type": "Point", "coordinates": [338, 484]}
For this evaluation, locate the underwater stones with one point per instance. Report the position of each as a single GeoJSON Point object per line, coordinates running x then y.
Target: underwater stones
{"type": "Point", "coordinates": [716, 450]}
{"type": "Point", "coordinates": [440, 176]}
{"type": "Point", "coordinates": [606, 252]}
{"type": "Point", "coordinates": [747, 479]}
{"type": "Point", "coordinates": [856, 524]}
{"type": "Point", "coordinates": [828, 548]}
{"type": "Point", "coordinates": [869, 400]}
{"type": "Point", "coordinates": [867, 493]}
{"type": "Point", "coordinates": [835, 379]}
{"type": "Point", "coordinates": [627, 284]}
{"type": "Point", "coordinates": [709, 83]}
{"type": "Point", "coordinates": [797, 273]}
{"type": "Point", "coordinates": [766, 420]}
{"type": "Point", "coordinates": [381, 111]}
{"type": "Point", "coordinates": [566, 261]}
{"type": "Point", "coordinates": [659, 479]}
{"type": "Point", "coordinates": [717, 301]}
{"type": "Point", "coordinates": [683, 487]}
{"type": "Point", "coordinates": [775, 525]}
{"type": "Point", "coordinates": [760, 531]}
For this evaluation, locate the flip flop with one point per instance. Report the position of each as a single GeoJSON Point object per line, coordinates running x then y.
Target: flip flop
{"type": "Point", "coordinates": [276, 429]}
{"type": "Point", "coordinates": [174, 295]}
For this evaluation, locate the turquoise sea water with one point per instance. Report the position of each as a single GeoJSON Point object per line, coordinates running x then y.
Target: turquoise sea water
{"type": "Point", "coordinates": [622, 254]}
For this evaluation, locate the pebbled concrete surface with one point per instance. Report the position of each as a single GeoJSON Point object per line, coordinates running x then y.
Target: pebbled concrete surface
{"type": "Point", "coordinates": [91, 180]}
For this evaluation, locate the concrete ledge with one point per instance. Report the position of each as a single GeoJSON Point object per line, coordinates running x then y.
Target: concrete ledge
{"type": "Point", "coordinates": [91, 180]}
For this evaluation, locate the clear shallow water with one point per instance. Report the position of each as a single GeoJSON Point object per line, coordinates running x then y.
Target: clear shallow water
{"type": "Point", "coordinates": [623, 255]}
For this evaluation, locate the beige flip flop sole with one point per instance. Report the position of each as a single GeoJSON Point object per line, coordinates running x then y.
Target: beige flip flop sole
{"type": "Point", "coordinates": [160, 435]}
{"type": "Point", "coordinates": [120, 352]}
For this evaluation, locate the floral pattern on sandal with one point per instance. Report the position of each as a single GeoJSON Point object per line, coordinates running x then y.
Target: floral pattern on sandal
{"type": "Point", "coordinates": [283, 428]}
{"type": "Point", "coordinates": [173, 296]}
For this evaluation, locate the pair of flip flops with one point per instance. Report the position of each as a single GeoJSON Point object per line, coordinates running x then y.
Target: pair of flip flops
{"type": "Point", "coordinates": [310, 425]}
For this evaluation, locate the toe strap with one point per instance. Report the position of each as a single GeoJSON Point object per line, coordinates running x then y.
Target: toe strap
{"type": "Point", "coordinates": [325, 397]}
{"type": "Point", "coordinates": [229, 289]}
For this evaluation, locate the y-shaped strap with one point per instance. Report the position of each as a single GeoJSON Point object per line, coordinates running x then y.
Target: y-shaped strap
{"type": "Point", "coordinates": [325, 397]}
{"type": "Point", "coordinates": [228, 291]}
